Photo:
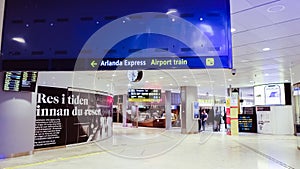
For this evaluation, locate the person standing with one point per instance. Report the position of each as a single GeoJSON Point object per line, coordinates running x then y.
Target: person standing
{"type": "Point", "coordinates": [199, 121]}
{"type": "Point", "coordinates": [203, 118]}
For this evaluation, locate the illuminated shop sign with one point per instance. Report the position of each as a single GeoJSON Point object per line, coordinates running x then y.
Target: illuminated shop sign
{"type": "Point", "coordinates": [144, 95]}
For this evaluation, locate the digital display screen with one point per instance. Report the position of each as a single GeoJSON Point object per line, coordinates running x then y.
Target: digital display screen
{"type": "Point", "coordinates": [271, 94]}
{"type": "Point", "coordinates": [144, 95]}
{"type": "Point", "coordinates": [28, 82]}
{"type": "Point", "coordinates": [12, 81]}
{"type": "Point", "coordinates": [19, 81]}
{"type": "Point", "coordinates": [247, 123]}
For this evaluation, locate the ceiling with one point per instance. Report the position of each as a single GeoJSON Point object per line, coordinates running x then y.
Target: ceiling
{"type": "Point", "coordinates": [258, 24]}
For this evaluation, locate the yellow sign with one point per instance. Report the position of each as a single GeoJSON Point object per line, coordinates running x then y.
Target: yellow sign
{"type": "Point", "coordinates": [210, 61]}
{"type": "Point", "coordinates": [234, 112]}
{"type": "Point", "coordinates": [228, 102]}
{"type": "Point", "coordinates": [234, 127]}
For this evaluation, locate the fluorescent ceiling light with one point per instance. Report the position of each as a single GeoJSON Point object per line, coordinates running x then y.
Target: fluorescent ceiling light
{"type": "Point", "coordinates": [19, 39]}
{"type": "Point", "coordinates": [170, 11]}
{"type": "Point", "coordinates": [276, 8]}
{"type": "Point", "coordinates": [266, 49]}
{"type": "Point", "coordinates": [244, 61]}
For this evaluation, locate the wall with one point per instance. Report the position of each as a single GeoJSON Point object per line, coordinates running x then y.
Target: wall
{"type": "Point", "coordinates": [279, 120]}
{"type": "Point", "coordinates": [17, 119]}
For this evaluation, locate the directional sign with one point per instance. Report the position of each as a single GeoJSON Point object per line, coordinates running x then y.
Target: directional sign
{"type": "Point", "coordinates": [197, 33]}
{"type": "Point", "coordinates": [94, 63]}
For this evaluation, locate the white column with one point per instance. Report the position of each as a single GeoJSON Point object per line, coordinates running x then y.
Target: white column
{"type": "Point", "coordinates": [188, 95]}
{"type": "Point", "coordinates": [168, 110]}
{"type": "Point", "coordinates": [124, 110]}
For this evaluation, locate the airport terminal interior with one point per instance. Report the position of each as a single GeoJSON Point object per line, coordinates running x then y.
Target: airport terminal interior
{"type": "Point", "coordinates": [167, 84]}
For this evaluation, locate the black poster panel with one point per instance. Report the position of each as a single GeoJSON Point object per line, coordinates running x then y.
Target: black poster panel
{"type": "Point", "coordinates": [51, 117]}
{"type": "Point", "coordinates": [247, 123]}
{"type": "Point", "coordinates": [76, 124]}
{"type": "Point", "coordinates": [68, 117]}
{"type": "Point", "coordinates": [91, 116]}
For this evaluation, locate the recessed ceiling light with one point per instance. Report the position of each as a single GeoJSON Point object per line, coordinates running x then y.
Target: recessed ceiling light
{"type": "Point", "coordinates": [173, 19]}
{"type": "Point", "coordinates": [171, 84]}
{"type": "Point", "coordinates": [229, 80]}
{"type": "Point", "coordinates": [266, 49]}
{"type": "Point", "coordinates": [201, 19]}
{"type": "Point", "coordinates": [244, 61]}
{"type": "Point", "coordinates": [146, 81]}
{"type": "Point", "coordinates": [184, 76]}
{"type": "Point", "coordinates": [114, 75]}
{"type": "Point", "coordinates": [233, 30]}
{"type": "Point", "coordinates": [286, 80]}
{"type": "Point", "coordinates": [266, 74]}
{"type": "Point", "coordinates": [19, 39]}
{"type": "Point", "coordinates": [276, 8]}
{"type": "Point", "coordinates": [161, 77]}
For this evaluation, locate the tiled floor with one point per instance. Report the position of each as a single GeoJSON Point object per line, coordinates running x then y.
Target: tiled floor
{"type": "Point", "coordinates": [143, 148]}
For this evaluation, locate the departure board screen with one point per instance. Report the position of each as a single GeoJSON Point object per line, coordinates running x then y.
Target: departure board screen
{"type": "Point", "coordinates": [144, 95]}
{"type": "Point", "coordinates": [28, 81]}
{"type": "Point", "coordinates": [19, 81]}
{"type": "Point", "coordinates": [12, 81]}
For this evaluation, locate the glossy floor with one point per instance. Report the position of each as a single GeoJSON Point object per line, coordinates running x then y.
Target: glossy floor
{"type": "Point", "coordinates": [148, 148]}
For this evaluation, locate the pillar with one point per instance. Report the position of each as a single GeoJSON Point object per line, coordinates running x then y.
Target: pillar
{"type": "Point", "coordinates": [168, 110]}
{"type": "Point", "coordinates": [124, 110]}
{"type": "Point", "coordinates": [188, 94]}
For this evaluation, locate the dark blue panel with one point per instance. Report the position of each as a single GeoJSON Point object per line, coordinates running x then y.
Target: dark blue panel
{"type": "Point", "coordinates": [57, 30]}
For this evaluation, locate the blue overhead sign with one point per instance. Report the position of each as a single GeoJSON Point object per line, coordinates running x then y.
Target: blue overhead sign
{"type": "Point", "coordinates": [63, 35]}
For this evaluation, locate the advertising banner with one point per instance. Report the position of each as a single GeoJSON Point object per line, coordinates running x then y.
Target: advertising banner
{"type": "Point", "coordinates": [196, 113]}
{"type": "Point", "coordinates": [66, 116]}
